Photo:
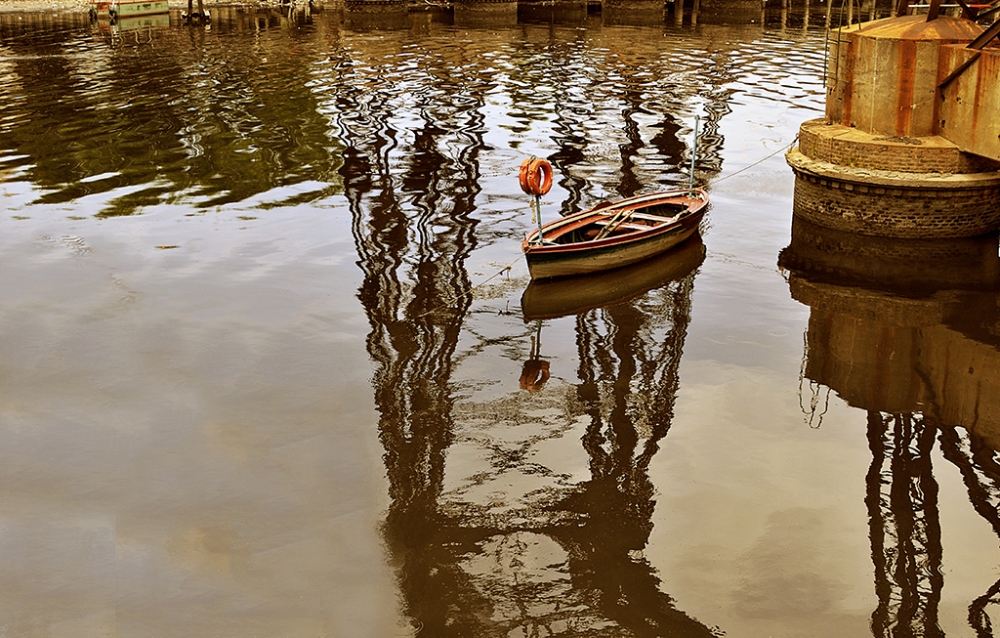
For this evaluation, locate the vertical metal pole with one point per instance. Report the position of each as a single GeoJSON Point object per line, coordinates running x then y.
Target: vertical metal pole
{"type": "Point", "coordinates": [536, 201]}
{"type": "Point", "coordinates": [694, 153]}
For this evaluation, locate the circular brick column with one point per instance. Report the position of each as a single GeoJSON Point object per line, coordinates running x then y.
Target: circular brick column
{"type": "Point", "coordinates": [885, 186]}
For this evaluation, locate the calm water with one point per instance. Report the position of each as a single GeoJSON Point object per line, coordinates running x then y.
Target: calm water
{"type": "Point", "coordinates": [245, 390]}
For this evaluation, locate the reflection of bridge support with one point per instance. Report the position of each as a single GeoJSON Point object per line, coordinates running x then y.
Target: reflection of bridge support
{"type": "Point", "coordinates": [730, 11]}
{"type": "Point", "coordinates": [889, 331]}
{"type": "Point", "coordinates": [886, 352]}
{"type": "Point", "coordinates": [905, 528]}
{"type": "Point", "coordinates": [633, 12]}
{"type": "Point", "coordinates": [485, 13]}
{"type": "Point", "coordinates": [363, 15]}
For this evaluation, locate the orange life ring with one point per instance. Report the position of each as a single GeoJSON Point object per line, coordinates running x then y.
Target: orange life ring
{"type": "Point", "coordinates": [534, 375]}
{"type": "Point", "coordinates": [535, 176]}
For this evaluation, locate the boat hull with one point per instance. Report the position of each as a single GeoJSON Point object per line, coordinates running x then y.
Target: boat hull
{"type": "Point", "coordinates": [569, 258]}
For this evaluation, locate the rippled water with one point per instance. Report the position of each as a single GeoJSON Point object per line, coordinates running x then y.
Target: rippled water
{"type": "Point", "coordinates": [270, 362]}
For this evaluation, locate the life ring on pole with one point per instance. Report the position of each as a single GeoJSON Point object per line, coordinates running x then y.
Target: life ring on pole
{"type": "Point", "coordinates": [535, 176]}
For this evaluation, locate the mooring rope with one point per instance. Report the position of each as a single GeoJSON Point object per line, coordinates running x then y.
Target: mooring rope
{"type": "Point", "coordinates": [448, 302]}
{"type": "Point", "coordinates": [763, 159]}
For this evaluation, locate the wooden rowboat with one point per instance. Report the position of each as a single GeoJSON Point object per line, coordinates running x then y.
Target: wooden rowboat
{"type": "Point", "coordinates": [613, 235]}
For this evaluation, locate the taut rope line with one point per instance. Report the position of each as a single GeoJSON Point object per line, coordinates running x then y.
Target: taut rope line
{"type": "Point", "coordinates": [763, 159]}
{"type": "Point", "coordinates": [468, 292]}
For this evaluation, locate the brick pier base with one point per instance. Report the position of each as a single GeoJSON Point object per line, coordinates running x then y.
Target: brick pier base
{"type": "Point", "coordinates": [890, 186]}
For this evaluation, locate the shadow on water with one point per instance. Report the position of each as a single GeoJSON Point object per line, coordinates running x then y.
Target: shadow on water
{"type": "Point", "coordinates": [889, 331]}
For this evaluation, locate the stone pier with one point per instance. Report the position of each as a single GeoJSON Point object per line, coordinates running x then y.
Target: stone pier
{"type": "Point", "coordinates": [882, 162]}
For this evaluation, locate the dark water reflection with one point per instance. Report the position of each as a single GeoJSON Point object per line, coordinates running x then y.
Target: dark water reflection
{"type": "Point", "coordinates": [159, 114]}
{"type": "Point", "coordinates": [242, 257]}
{"type": "Point", "coordinates": [900, 329]}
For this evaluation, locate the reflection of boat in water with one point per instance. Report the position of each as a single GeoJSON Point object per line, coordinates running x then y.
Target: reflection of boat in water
{"type": "Point", "coordinates": [610, 236]}
{"type": "Point", "coordinates": [571, 295]}
{"type": "Point", "coordinates": [133, 23]}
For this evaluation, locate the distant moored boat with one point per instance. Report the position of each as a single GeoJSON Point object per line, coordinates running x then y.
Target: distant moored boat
{"type": "Point", "coordinates": [115, 9]}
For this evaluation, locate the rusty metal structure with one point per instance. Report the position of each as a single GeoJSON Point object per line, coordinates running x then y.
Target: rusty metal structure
{"type": "Point", "coordinates": [963, 82]}
{"type": "Point", "coordinates": [909, 144]}
{"type": "Point", "coordinates": [915, 77]}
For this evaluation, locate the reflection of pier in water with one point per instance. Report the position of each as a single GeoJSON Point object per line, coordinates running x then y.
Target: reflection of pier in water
{"type": "Point", "coordinates": [889, 332]}
{"type": "Point", "coordinates": [507, 540]}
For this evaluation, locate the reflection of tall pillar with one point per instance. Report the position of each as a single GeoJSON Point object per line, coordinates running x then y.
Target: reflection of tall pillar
{"type": "Point", "coordinates": [730, 11]}
{"type": "Point", "coordinates": [981, 474]}
{"type": "Point", "coordinates": [905, 530]}
{"type": "Point", "coordinates": [485, 13]}
{"type": "Point", "coordinates": [629, 184]}
{"type": "Point", "coordinates": [411, 294]}
{"type": "Point", "coordinates": [569, 134]}
{"type": "Point", "coordinates": [628, 387]}
{"type": "Point", "coordinates": [886, 333]}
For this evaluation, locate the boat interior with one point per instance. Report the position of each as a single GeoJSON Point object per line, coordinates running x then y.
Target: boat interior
{"type": "Point", "coordinates": [621, 223]}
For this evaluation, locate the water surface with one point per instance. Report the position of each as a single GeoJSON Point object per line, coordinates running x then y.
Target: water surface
{"type": "Point", "coordinates": [270, 363]}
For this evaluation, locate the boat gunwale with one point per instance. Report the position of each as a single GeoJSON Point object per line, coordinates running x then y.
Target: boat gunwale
{"type": "Point", "coordinates": [696, 201]}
